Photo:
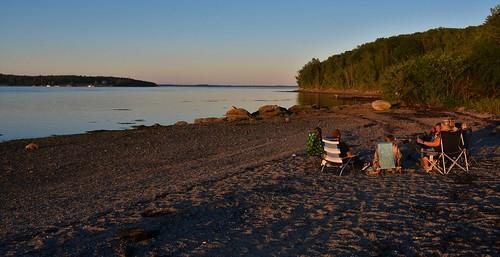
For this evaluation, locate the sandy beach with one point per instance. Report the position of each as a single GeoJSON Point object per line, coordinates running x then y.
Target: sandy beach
{"type": "Point", "coordinates": [247, 189]}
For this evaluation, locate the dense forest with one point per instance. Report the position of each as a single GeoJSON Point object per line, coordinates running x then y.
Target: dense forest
{"type": "Point", "coordinates": [72, 80]}
{"type": "Point", "coordinates": [440, 67]}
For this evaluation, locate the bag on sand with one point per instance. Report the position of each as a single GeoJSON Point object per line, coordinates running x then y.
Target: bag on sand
{"type": "Point", "coordinates": [314, 145]}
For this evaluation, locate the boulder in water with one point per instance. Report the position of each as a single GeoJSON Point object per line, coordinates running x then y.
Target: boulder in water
{"type": "Point", "coordinates": [381, 105]}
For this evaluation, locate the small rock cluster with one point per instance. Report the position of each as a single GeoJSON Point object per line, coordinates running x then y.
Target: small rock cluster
{"type": "Point", "coordinates": [236, 114]}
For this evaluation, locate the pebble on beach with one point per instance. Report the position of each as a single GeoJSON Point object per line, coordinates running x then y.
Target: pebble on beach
{"type": "Point", "coordinates": [181, 123]}
{"type": "Point", "coordinates": [31, 147]}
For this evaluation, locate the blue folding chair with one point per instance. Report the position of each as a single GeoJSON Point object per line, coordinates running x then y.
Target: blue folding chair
{"type": "Point", "coordinates": [386, 156]}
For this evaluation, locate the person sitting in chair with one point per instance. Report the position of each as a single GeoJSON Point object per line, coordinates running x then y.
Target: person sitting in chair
{"type": "Point", "coordinates": [434, 143]}
{"type": "Point", "coordinates": [432, 133]}
{"type": "Point", "coordinates": [343, 147]}
{"type": "Point", "coordinates": [395, 151]}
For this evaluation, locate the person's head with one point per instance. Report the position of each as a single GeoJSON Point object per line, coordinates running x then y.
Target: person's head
{"type": "Point", "coordinates": [317, 131]}
{"type": "Point", "coordinates": [437, 128]}
{"type": "Point", "coordinates": [451, 123]}
{"type": "Point", "coordinates": [389, 138]}
{"type": "Point", "coordinates": [445, 125]}
{"type": "Point", "coordinates": [433, 129]}
{"type": "Point", "coordinates": [336, 134]}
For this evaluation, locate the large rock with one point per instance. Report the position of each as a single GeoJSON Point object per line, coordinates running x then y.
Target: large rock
{"type": "Point", "coordinates": [208, 120]}
{"type": "Point", "coordinates": [300, 109]}
{"type": "Point", "coordinates": [269, 111]}
{"type": "Point", "coordinates": [381, 105]}
{"type": "Point", "coordinates": [237, 114]}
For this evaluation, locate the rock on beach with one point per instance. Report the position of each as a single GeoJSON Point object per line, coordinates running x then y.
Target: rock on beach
{"type": "Point", "coordinates": [181, 123]}
{"type": "Point", "coordinates": [208, 120]}
{"type": "Point", "coordinates": [381, 105]}
{"type": "Point", "coordinates": [237, 114]}
{"type": "Point", "coordinates": [301, 109]}
{"type": "Point", "coordinates": [269, 111]}
{"type": "Point", "coordinates": [31, 147]}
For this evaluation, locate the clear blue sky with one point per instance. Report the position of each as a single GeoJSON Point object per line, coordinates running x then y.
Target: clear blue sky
{"type": "Point", "coordinates": [206, 41]}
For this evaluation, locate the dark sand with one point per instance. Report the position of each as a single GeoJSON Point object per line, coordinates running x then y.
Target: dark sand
{"type": "Point", "coordinates": [246, 189]}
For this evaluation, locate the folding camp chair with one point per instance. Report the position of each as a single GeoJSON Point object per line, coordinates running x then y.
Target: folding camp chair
{"type": "Point", "coordinates": [332, 156]}
{"type": "Point", "coordinates": [452, 153]}
{"type": "Point", "coordinates": [386, 157]}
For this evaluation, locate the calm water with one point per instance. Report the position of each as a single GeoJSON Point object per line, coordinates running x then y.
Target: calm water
{"type": "Point", "coordinates": [27, 112]}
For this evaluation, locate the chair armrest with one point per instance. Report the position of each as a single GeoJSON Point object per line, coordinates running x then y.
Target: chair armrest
{"type": "Point", "coordinates": [430, 152]}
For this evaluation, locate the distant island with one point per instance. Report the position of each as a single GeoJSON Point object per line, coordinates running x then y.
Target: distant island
{"type": "Point", "coordinates": [441, 67]}
{"type": "Point", "coordinates": [72, 81]}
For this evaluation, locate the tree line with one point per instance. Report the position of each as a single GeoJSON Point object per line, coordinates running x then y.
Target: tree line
{"type": "Point", "coordinates": [439, 67]}
{"type": "Point", "coordinates": [72, 80]}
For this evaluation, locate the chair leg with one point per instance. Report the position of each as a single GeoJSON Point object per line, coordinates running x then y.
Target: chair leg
{"type": "Point", "coordinates": [453, 163]}
{"type": "Point", "coordinates": [341, 170]}
{"type": "Point", "coordinates": [344, 166]}
{"type": "Point", "coordinates": [444, 164]}
{"type": "Point", "coordinates": [322, 168]}
{"type": "Point", "coordinates": [456, 162]}
{"type": "Point", "coordinates": [435, 164]}
{"type": "Point", "coordinates": [466, 162]}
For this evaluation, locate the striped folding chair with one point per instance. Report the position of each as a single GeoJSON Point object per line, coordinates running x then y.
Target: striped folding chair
{"type": "Point", "coordinates": [331, 157]}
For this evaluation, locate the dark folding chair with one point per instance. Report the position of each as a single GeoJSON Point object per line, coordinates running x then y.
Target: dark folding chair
{"type": "Point", "coordinates": [453, 153]}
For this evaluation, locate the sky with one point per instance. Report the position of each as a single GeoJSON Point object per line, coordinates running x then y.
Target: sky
{"type": "Point", "coordinates": [241, 42]}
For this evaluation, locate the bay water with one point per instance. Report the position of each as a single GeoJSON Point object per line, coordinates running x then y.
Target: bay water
{"type": "Point", "coordinates": [29, 112]}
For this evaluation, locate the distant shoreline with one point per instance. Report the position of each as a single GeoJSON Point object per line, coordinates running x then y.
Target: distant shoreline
{"type": "Point", "coordinates": [72, 86]}
{"type": "Point", "coordinates": [347, 93]}
{"type": "Point", "coordinates": [166, 85]}
{"type": "Point", "coordinates": [228, 86]}
{"type": "Point", "coordinates": [71, 81]}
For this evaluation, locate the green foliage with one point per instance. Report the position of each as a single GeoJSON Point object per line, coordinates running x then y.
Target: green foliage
{"type": "Point", "coordinates": [439, 67]}
{"type": "Point", "coordinates": [492, 24]}
{"type": "Point", "coordinates": [494, 17]}
{"type": "Point", "coordinates": [310, 75]}
{"type": "Point", "coordinates": [491, 105]}
{"type": "Point", "coordinates": [433, 79]}
{"type": "Point", "coordinates": [314, 146]}
{"type": "Point", "coordinates": [484, 69]}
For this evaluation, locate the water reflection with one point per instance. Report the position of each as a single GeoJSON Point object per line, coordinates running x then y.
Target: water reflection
{"type": "Point", "coordinates": [328, 100]}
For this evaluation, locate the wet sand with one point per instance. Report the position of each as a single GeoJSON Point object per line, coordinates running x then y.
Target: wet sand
{"type": "Point", "coordinates": [247, 188]}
